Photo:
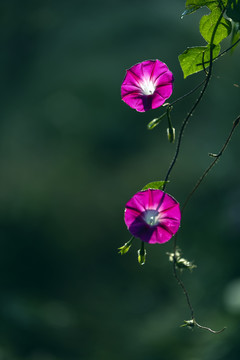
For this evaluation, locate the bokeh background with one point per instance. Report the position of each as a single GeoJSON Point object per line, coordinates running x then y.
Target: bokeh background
{"type": "Point", "coordinates": [72, 154]}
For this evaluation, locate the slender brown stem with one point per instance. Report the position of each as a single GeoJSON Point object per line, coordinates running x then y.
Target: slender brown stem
{"type": "Point", "coordinates": [193, 321]}
{"type": "Point", "coordinates": [180, 282]}
{"type": "Point", "coordinates": [187, 94]}
{"type": "Point", "coordinates": [208, 328]}
{"type": "Point", "coordinates": [216, 158]}
{"type": "Point", "coordinates": [184, 125]}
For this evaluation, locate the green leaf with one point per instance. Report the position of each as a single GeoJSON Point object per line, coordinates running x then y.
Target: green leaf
{"type": "Point", "coordinates": [190, 10]}
{"type": "Point", "coordinates": [221, 4]}
{"type": "Point", "coordinates": [155, 185]}
{"type": "Point", "coordinates": [192, 58]}
{"type": "Point", "coordinates": [193, 5]}
{"type": "Point", "coordinates": [198, 3]}
{"type": "Point", "coordinates": [233, 10]}
{"type": "Point", "coordinates": [208, 24]}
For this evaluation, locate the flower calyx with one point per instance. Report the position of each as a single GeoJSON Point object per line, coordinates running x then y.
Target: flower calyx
{"type": "Point", "coordinates": [189, 323]}
{"type": "Point", "coordinates": [126, 247]}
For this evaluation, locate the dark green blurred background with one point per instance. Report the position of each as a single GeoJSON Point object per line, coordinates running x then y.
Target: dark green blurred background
{"type": "Point", "coordinates": [72, 154]}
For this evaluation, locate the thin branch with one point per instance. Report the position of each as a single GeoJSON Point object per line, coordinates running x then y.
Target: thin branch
{"type": "Point", "coordinates": [193, 321]}
{"type": "Point", "coordinates": [183, 287]}
{"type": "Point", "coordinates": [208, 328]}
{"type": "Point", "coordinates": [230, 47]}
{"type": "Point", "coordinates": [216, 158]}
{"type": "Point", "coordinates": [180, 282]}
{"type": "Point", "coordinates": [184, 125]}
{"type": "Point", "coordinates": [187, 94]}
{"type": "Point", "coordinates": [222, 53]}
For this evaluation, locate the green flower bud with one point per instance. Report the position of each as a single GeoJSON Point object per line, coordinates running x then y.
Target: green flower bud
{"type": "Point", "coordinates": [155, 121]}
{"type": "Point", "coordinates": [171, 134]}
{"type": "Point", "coordinates": [142, 255]}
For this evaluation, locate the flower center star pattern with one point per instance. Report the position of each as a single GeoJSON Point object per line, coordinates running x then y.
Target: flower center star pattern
{"type": "Point", "coordinates": [147, 85]}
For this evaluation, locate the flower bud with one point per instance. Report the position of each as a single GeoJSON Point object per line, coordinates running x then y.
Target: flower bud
{"type": "Point", "coordinates": [171, 134]}
{"type": "Point", "coordinates": [142, 254]}
{"type": "Point", "coordinates": [155, 121]}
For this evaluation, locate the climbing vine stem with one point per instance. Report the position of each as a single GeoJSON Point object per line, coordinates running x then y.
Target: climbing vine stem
{"type": "Point", "coordinates": [192, 322]}
{"type": "Point", "coordinates": [208, 77]}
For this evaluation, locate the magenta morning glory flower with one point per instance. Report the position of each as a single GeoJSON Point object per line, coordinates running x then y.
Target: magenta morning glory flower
{"type": "Point", "coordinates": [153, 216]}
{"type": "Point", "coordinates": [147, 85]}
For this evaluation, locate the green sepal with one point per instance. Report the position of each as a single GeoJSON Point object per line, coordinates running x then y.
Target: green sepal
{"type": "Point", "coordinates": [188, 323]}
{"type": "Point", "coordinates": [207, 27]}
{"type": "Point", "coordinates": [191, 59]}
{"type": "Point", "coordinates": [155, 185]}
{"type": "Point", "coordinates": [126, 247]}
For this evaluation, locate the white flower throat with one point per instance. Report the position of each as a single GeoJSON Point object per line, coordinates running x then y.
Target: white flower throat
{"type": "Point", "coordinates": [147, 86]}
{"type": "Point", "coordinates": [151, 217]}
